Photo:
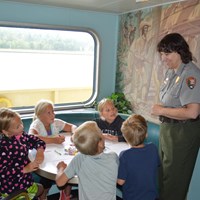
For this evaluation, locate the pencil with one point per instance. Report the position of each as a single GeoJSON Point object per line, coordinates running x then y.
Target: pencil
{"type": "Point", "coordinates": [58, 152]}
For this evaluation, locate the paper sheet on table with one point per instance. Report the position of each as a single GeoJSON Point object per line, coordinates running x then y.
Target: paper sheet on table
{"type": "Point", "coordinates": [116, 147]}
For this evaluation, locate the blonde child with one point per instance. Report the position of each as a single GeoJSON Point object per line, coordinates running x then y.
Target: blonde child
{"type": "Point", "coordinates": [15, 166]}
{"type": "Point", "coordinates": [138, 166]}
{"type": "Point", "coordinates": [110, 122]}
{"type": "Point", "coordinates": [47, 128]}
{"type": "Point", "coordinates": [96, 170]}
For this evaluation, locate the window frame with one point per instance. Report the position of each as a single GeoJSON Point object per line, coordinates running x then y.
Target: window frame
{"type": "Point", "coordinates": [73, 105]}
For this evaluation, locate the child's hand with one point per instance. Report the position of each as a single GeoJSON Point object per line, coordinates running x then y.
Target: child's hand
{"type": "Point", "coordinates": [59, 139]}
{"type": "Point", "coordinates": [61, 165]}
{"type": "Point", "coordinates": [32, 166]}
{"type": "Point", "coordinates": [110, 137]}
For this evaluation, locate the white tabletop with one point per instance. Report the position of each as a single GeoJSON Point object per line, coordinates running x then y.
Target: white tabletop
{"type": "Point", "coordinates": [54, 153]}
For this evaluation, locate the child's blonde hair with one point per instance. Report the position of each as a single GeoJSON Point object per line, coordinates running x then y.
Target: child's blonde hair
{"type": "Point", "coordinates": [134, 129]}
{"type": "Point", "coordinates": [6, 117]}
{"type": "Point", "coordinates": [40, 107]}
{"type": "Point", "coordinates": [104, 102]}
{"type": "Point", "coordinates": [87, 137]}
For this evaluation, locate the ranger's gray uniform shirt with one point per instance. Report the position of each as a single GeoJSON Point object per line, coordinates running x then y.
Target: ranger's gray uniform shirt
{"type": "Point", "coordinates": [97, 175]}
{"type": "Point", "coordinates": [181, 87]}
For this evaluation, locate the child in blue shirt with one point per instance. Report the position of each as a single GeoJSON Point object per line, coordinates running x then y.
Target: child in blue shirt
{"type": "Point", "coordinates": [138, 165]}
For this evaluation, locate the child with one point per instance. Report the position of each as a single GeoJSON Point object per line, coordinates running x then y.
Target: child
{"type": "Point", "coordinates": [15, 166]}
{"type": "Point", "coordinates": [138, 165]}
{"type": "Point", "coordinates": [45, 124]}
{"type": "Point", "coordinates": [97, 171]}
{"type": "Point", "coordinates": [47, 128]}
{"type": "Point", "coordinates": [110, 122]}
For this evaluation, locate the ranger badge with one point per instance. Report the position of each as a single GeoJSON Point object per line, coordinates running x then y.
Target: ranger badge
{"type": "Point", "coordinates": [191, 82]}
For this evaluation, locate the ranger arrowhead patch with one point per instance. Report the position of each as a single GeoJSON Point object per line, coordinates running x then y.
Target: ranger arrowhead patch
{"type": "Point", "coordinates": [191, 82]}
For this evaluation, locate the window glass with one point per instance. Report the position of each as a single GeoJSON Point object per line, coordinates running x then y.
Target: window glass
{"type": "Point", "coordinates": [47, 63]}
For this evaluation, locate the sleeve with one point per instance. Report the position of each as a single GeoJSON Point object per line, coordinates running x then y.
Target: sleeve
{"type": "Point", "coordinates": [34, 142]}
{"type": "Point", "coordinates": [59, 125]}
{"type": "Point", "coordinates": [190, 88]}
{"type": "Point", "coordinates": [158, 157]}
{"type": "Point", "coordinates": [116, 158]}
{"type": "Point", "coordinates": [38, 126]}
{"type": "Point", "coordinates": [122, 172]}
{"type": "Point", "coordinates": [74, 166]}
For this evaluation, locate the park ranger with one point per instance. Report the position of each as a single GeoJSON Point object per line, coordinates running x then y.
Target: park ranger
{"type": "Point", "coordinates": [179, 115]}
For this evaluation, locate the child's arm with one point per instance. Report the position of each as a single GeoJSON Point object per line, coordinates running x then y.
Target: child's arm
{"type": "Point", "coordinates": [34, 142]}
{"type": "Point", "coordinates": [110, 137]}
{"type": "Point", "coordinates": [48, 140]}
{"type": "Point", "coordinates": [32, 166]}
{"type": "Point", "coordinates": [58, 139]}
{"type": "Point", "coordinates": [39, 158]}
{"type": "Point", "coordinates": [61, 178]}
{"type": "Point", "coordinates": [69, 127]}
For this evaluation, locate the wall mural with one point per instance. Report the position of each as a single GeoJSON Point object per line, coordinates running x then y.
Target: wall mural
{"type": "Point", "coordinates": [140, 71]}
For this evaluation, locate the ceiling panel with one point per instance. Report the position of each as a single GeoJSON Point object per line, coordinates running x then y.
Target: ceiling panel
{"type": "Point", "coordinates": [111, 6]}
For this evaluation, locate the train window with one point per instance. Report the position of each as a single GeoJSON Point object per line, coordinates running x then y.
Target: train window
{"type": "Point", "coordinates": [45, 62]}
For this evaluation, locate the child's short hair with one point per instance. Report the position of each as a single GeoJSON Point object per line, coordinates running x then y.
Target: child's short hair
{"type": "Point", "coordinates": [41, 106]}
{"type": "Point", "coordinates": [87, 137]}
{"type": "Point", "coordinates": [6, 117]}
{"type": "Point", "coordinates": [104, 102]}
{"type": "Point", "coordinates": [134, 129]}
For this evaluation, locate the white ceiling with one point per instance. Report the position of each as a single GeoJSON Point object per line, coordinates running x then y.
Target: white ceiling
{"type": "Point", "coordinates": [110, 6]}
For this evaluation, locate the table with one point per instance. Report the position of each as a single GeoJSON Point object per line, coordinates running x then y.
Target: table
{"type": "Point", "coordinates": [54, 153]}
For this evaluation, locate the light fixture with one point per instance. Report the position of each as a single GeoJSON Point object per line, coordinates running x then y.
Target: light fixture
{"type": "Point", "coordinates": [137, 1]}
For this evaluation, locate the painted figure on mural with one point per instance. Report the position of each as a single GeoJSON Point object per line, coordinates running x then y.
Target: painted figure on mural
{"type": "Point", "coordinates": [186, 10]}
{"type": "Point", "coordinates": [129, 30]}
{"type": "Point", "coordinates": [177, 17]}
{"type": "Point", "coordinates": [127, 37]}
{"type": "Point", "coordinates": [195, 10]}
{"type": "Point", "coordinates": [138, 63]}
{"type": "Point", "coordinates": [194, 43]}
{"type": "Point", "coordinates": [170, 15]}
